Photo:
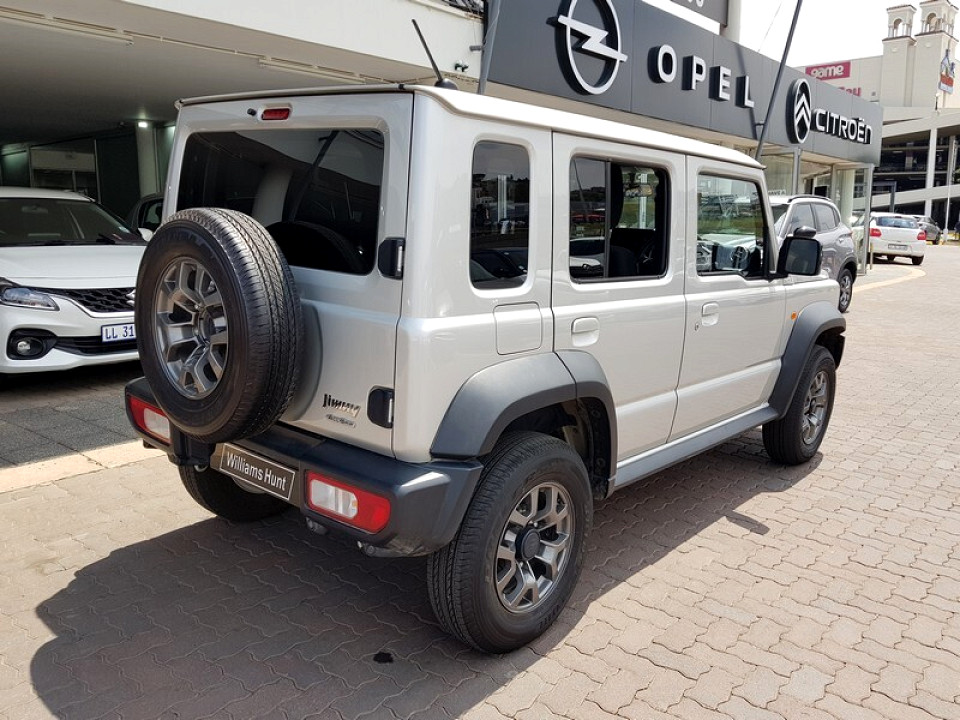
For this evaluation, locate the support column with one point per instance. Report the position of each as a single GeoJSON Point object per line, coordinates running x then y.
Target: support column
{"type": "Point", "coordinates": [951, 169]}
{"type": "Point", "coordinates": [147, 159]}
{"type": "Point", "coordinates": [731, 31]}
{"type": "Point", "coordinates": [931, 168]}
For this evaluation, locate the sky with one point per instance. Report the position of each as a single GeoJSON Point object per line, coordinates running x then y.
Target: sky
{"type": "Point", "coordinates": [827, 30]}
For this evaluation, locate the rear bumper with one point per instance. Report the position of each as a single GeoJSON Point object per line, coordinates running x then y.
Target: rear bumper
{"type": "Point", "coordinates": [427, 500]}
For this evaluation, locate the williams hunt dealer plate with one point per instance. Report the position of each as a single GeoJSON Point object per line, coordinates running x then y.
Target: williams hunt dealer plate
{"type": "Point", "coordinates": [255, 470]}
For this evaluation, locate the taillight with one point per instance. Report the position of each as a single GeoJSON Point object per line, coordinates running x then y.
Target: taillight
{"type": "Point", "coordinates": [874, 232]}
{"type": "Point", "coordinates": [922, 235]}
{"type": "Point", "coordinates": [150, 419]}
{"type": "Point", "coordinates": [280, 113]}
{"type": "Point", "coordinates": [348, 504]}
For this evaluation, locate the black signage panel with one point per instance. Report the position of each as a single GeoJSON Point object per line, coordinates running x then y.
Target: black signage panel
{"type": "Point", "coordinates": [713, 9]}
{"type": "Point", "coordinates": [628, 55]}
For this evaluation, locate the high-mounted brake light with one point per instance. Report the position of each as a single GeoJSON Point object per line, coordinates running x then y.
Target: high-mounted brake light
{"type": "Point", "coordinates": [348, 504]}
{"type": "Point", "coordinates": [281, 113]}
{"type": "Point", "coordinates": [150, 419]}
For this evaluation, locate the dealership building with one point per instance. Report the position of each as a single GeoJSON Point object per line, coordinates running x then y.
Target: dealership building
{"type": "Point", "coordinates": [915, 81]}
{"type": "Point", "coordinates": [90, 87]}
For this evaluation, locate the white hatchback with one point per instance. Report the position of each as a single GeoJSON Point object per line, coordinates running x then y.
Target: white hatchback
{"type": "Point", "coordinates": [896, 235]}
{"type": "Point", "coordinates": [68, 269]}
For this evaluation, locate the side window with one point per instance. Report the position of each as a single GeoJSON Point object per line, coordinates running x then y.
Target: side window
{"type": "Point", "coordinates": [826, 217]}
{"type": "Point", "coordinates": [802, 216]}
{"type": "Point", "coordinates": [730, 227]}
{"type": "Point", "coordinates": [500, 215]}
{"type": "Point", "coordinates": [618, 220]}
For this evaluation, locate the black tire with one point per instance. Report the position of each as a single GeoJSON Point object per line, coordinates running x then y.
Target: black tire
{"type": "Point", "coordinates": [845, 280]}
{"type": "Point", "coordinates": [219, 494]}
{"type": "Point", "coordinates": [523, 470]}
{"type": "Point", "coordinates": [796, 437]}
{"type": "Point", "coordinates": [224, 366]}
{"type": "Point", "coordinates": [917, 260]}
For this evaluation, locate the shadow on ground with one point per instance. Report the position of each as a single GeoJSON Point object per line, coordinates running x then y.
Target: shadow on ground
{"type": "Point", "coordinates": [46, 415]}
{"type": "Point", "coordinates": [270, 620]}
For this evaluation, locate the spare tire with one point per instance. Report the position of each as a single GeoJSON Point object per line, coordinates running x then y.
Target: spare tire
{"type": "Point", "coordinates": [219, 325]}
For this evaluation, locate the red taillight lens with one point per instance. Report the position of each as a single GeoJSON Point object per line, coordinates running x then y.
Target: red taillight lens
{"type": "Point", "coordinates": [150, 419]}
{"type": "Point", "coordinates": [922, 235]}
{"type": "Point", "coordinates": [275, 113]}
{"type": "Point", "coordinates": [348, 504]}
{"type": "Point", "coordinates": [874, 232]}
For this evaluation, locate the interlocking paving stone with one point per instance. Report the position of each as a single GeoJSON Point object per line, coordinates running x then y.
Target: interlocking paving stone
{"type": "Point", "coordinates": [725, 587]}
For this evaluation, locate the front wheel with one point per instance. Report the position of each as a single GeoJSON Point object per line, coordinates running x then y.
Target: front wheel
{"type": "Point", "coordinates": [796, 437]}
{"type": "Point", "coordinates": [516, 558]}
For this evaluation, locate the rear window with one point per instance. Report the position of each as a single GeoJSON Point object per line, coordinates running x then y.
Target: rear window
{"type": "Point", "coordinates": [316, 191]}
{"type": "Point", "coordinates": [897, 222]}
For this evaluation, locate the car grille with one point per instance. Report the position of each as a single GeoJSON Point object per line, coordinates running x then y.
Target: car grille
{"type": "Point", "coordinates": [93, 346]}
{"type": "Point", "coordinates": [99, 300]}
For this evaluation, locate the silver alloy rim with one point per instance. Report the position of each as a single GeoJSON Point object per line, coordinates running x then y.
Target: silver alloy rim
{"type": "Point", "coordinates": [191, 328]}
{"type": "Point", "coordinates": [534, 548]}
{"type": "Point", "coordinates": [815, 408]}
{"type": "Point", "coordinates": [846, 288]}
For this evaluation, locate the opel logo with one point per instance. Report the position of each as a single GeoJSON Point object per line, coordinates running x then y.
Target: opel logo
{"type": "Point", "coordinates": [583, 38]}
{"type": "Point", "coordinates": [799, 111]}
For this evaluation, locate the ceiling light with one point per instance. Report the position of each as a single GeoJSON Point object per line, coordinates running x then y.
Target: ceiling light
{"type": "Point", "coordinates": [143, 124]}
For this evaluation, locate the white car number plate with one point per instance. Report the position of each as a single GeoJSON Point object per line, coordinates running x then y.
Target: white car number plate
{"type": "Point", "coordinates": [118, 333]}
{"type": "Point", "coordinates": [896, 246]}
{"type": "Point", "coordinates": [258, 471]}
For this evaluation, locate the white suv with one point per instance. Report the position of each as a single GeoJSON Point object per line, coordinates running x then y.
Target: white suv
{"type": "Point", "coordinates": [443, 324]}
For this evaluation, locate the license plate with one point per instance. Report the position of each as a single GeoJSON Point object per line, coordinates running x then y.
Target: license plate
{"type": "Point", "coordinates": [894, 246]}
{"type": "Point", "coordinates": [118, 333]}
{"type": "Point", "coordinates": [255, 470]}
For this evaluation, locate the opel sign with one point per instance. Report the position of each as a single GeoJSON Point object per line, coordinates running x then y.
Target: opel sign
{"type": "Point", "coordinates": [581, 37]}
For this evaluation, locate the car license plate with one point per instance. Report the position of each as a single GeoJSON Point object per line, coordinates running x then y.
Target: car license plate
{"type": "Point", "coordinates": [255, 470]}
{"type": "Point", "coordinates": [895, 246]}
{"type": "Point", "coordinates": [118, 333]}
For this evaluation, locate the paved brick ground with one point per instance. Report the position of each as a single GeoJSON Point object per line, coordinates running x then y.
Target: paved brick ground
{"type": "Point", "coordinates": [726, 587]}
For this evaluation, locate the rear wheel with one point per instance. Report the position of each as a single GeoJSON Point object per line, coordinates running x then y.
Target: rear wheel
{"type": "Point", "coordinates": [917, 260]}
{"type": "Point", "coordinates": [219, 494]}
{"type": "Point", "coordinates": [515, 560]}
{"type": "Point", "coordinates": [796, 437]}
{"type": "Point", "coordinates": [845, 281]}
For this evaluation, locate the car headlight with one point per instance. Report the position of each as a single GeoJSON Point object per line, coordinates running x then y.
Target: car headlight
{"type": "Point", "coordinates": [11, 294]}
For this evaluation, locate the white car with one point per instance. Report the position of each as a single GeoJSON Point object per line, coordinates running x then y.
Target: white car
{"type": "Point", "coordinates": [896, 235]}
{"type": "Point", "coordinates": [68, 269]}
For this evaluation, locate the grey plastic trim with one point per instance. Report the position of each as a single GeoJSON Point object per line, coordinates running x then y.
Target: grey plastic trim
{"type": "Point", "coordinates": [496, 396]}
{"type": "Point", "coordinates": [663, 457]}
{"type": "Point", "coordinates": [814, 320]}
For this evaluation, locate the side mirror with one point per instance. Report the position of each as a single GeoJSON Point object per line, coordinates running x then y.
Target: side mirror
{"type": "Point", "coordinates": [800, 254]}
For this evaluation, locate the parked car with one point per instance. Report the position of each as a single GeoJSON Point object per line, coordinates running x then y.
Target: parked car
{"type": "Point", "coordinates": [930, 227]}
{"type": "Point", "coordinates": [894, 235]}
{"type": "Point", "coordinates": [839, 251]}
{"type": "Point", "coordinates": [365, 347]}
{"type": "Point", "coordinates": [147, 213]}
{"type": "Point", "coordinates": [68, 268]}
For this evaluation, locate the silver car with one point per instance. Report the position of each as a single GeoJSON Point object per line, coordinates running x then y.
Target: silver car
{"type": "Point", "coordinates": [793, 212]}
{"type": "Point", "coordinates": [930, 227]}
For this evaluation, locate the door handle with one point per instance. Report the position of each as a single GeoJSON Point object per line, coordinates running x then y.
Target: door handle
{"type": "Point", "coordinates": [585, 331]}
{"type": "Point", "coordinates": [710, 314]}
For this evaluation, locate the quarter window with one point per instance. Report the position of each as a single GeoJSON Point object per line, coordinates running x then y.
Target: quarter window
{"type": "Point", "coordinates": [731, 230]}
{"type": "Point", "coordinates": [827, 218]}
{"type": "Point", "coordinates": [500, 215]}
{"type": "Point", "coordinates": [618, 220]}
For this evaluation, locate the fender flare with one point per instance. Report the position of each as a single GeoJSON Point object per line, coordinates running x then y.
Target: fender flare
{"type": "Point", "coordinates": [813, 321]}
{"type": "Point", "coordinates": [496, 396]}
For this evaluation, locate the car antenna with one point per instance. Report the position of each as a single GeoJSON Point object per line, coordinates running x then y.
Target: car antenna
{"type": "Point", "coordinates": [441, 82]}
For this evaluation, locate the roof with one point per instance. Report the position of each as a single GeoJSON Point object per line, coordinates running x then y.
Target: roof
{"type": "Point", "coordinates": [10, 191]}
{"type": "Point", "coordinates": [518, 113]}
{"type": "Point", "coordinates": [471, 6]}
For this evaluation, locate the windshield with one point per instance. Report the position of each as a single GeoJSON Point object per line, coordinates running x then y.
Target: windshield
{"type": "Point", "coordinates": [46, 221]}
